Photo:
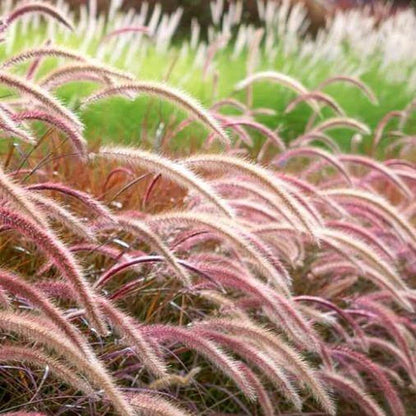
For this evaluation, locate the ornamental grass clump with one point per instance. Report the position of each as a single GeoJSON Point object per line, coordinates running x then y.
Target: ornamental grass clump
{"type": "Point", "coordinates": [252, 274]}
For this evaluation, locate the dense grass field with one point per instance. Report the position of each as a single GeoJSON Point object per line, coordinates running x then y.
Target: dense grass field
{"type": "Point", "coordinates": [210, 72]}
{"type": "Point", "coordinates": [213, 223]}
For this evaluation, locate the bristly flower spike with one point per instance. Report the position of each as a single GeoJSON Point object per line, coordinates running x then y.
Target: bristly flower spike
{"type": "Point", "coordinates": [174, 95]}
{"type": "Point", "coordinates": [38, 7]}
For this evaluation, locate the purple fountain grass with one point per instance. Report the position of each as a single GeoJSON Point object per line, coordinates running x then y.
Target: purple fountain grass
{"type": "Point", "coordinates": [314, 172]}
{"type": "Point", "coordinates": [85, 198]}
{"type": "Point", "coordinates": [154, 405]}
{"type": "Point", "coordinates": [404, 144]}
{"type": "Point", "coordinates": [375, 372]}
{"type": "Point", "coordinates": [223, 163]}
{"type": "Point", "coordinates": [175, 171]}
{"type": "Point", "coordinates": [65, 73]}
{"type": "Point", "coordinates": [257, 358]}
{"type": "Point", "coordinates": [315, 96]}
{"type": "Point", "coordinates": [133, 262]}
{"type": "Point", "coordinates": [381, 344]}
{"type": "Point", "coordinates": [383, 208]}
{"type": "Point", "coordinates": [262, 395]}
{"type": "Point", "coordinates": [43, 52]}
{"type": "Point", "coordinates": [125, 325]}
{"type": "Point", "coordinates": [350, 80]}
{"type": "Point", "coordinates": [227, 185]}
{"type": "Point", "coordinates": [270, 135]}
{"type": "Point", "coordinates": [309, 137]}
{"type": "Point", "coordinates": [388, 320]}
{"type": "Point", "coordinates": [331, 263]}
{"type": "Point", "coordinates": [389, 275]}
{"type": "Point", "coordinates": [276, 234]}
{"type": "Point", "coordinates": [308, 188]}
{"type": "Point", "coordinates": [37, 7]}
{"type": "Point", "coordinates": [8, 125]}
{"type": "Point", "coordinates": [229, 307]}
{"type": "Point", "coordinates": [279, 310]}
{"type": "Point", "coordinates": [330, 305]}
{"type": "Point", "coordinates": [284, 238]}
{"type": "Point", "coordinates": [77, 77]}
{"type": "Point", "coordinates": [34, 357]}
{"type": "Point", "coordinates": [379, 279]}
{"type": "Point", "coordinates": [311, 151]}
{"type": "Point", "coordinates": [127, 29]}
{"type": "Point", "coordinates": [134, 338]}
{"type": "Point", "coordinates": [363, 234]}
{"type": "Point", "coordinates": [34, 66]}
{"type": "Point", "coordinates": [278, 77]}
{"type": "Point", "coordinates": [77, 140]}
{"type": "Point", "coordinates": [407, 113]}
{"type": "Point", "coordinates": [103, 249]}
{"type": "Point", "coordinates": [291, 251]}
{"type": "Point", "coordinates": [111, 272]}
{"type": "Point", "coordinates": [355, 268]}
{"type": "Point", "coordinates": [114, 172]}
{"type": "Point", "coordinates": [352, 391]}
{"type": "Point", "coordinates": [370, 215]}
{"type": "Point", "coordinates": [389, 174]}
{"type": "Point", "coordinates": [231, 233]}
{"type": "Point", "coordinates": [239, 130]}
{"type": "Point", "coordinates": [41, 96]}
{"type": "Point", "coordinates": [15, 285]}
{"type": "Point", "coordinates": [378, 132]}
{"type": "Point", "coordinates": [40, 331]}
{"type": "Point", "coordinates": [406, 175]}
{"type": "Point", "coordinates": [230, 102]}
{"type": "Point", "coordinates": [181, 99]}
{"type": "Point", "coordinates": [90, 248]}
{"type": "Point", "coordinates": [206, 348]}
{"type": "Point", "coordinates": [150, 188]}
{"type": "Point", "coordinates": [298, 286]}
{"type": "Point", "coordinates": [175, 379]}
{"type": "Point", "coordinates": [267, 253]}
{"type": "Point", "coordinates": [60, 214]}
{"type": "Point", "coordinates": [283, 353]}
{"type": "Point", "coordinates": [305, 203]}
{"type": "Point", "coordinates": [145, 233]}
{"type": "Point", "coordinates": [341, 122]}
{"type": "Point", "coordinates": [19, 198]}
{"type": "Point", "coordinates": [47, 242]}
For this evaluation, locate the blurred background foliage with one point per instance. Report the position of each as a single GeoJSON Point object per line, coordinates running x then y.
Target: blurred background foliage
{"type": "Point", "coordinates": [318, 10]}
